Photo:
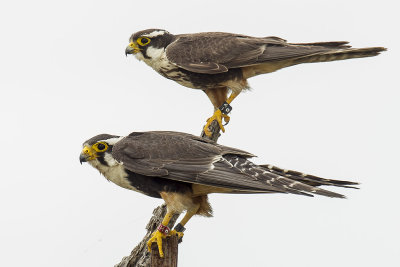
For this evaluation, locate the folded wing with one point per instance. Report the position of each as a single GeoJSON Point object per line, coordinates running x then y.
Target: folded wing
{"type": "Point", "coordinates": [187, 158]}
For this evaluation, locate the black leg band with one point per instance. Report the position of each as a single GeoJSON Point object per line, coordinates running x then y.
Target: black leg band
{"type": "Point", "coordinates": [225, 108]}
{"type": "Point", "coordinates": [179, 228]}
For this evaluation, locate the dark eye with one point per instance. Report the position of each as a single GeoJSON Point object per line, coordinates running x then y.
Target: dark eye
{"type": "Point", "coordinates": [143, 41]}
{"type": "Point", "coordinates": [100, 147]}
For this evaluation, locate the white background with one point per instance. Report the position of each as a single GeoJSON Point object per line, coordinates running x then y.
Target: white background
{"type": "Point", "coordinates": [65, 78]}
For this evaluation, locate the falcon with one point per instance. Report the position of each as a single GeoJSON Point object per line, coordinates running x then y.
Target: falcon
{"type": "Point", "coordinates": [183, 169]}
{"type": "Point", "coordinates": [217, 62]}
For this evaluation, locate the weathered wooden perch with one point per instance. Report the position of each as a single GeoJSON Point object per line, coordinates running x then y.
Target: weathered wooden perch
{"type": "Point", "coordinates": [140, 257]}
{"type": "Point", "coordinates": [170, 248]}
{"type": "Point", "coordinates": [214, 128]}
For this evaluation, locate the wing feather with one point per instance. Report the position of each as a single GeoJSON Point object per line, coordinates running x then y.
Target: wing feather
{"type": "Point", "coordinates": [216, 52]}
{"type": "Point", "coordinates": [184, 157]}
{"type": "Point", "coordinates": [204, 67]}
{"type": "Point", "coordinates": [212, 49]}
{"type": "Point", "coordinates": [187, 158]}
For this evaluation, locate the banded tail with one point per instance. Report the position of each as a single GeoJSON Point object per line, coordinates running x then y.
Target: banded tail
{"type": "Point", "coordinates": [284, 181]}
{"type": "Point", "coordinates": [309, 179]}
{"type": "Point", "coordinates": [339, 52]}
{"type": "Point", "coordinates": [290, 54]}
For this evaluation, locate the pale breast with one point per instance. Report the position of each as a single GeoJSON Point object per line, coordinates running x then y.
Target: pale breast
{"type": "Point", "coordinates": [158, 61]}
{"type": "Point", "coordinates": [115, 174]}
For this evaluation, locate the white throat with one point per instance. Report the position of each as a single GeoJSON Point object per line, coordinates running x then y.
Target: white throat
{"type": "Point", "coordinates": [157, 58]}
{"type": "Point", "coordinates": [114, 173]}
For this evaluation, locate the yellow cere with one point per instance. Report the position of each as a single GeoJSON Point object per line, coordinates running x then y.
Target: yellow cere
{"type": "Point", "coordinates": [135, 47]}
{"type": "Point", "coordinates": [89, 152]}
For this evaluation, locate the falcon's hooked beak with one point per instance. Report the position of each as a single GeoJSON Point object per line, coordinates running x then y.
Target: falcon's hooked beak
{"type": "Point", "coordinates": [132, 48]}
{"type": "Point", "coordinates": [87, 154]}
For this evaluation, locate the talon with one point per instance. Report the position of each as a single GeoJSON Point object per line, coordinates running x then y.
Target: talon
{"type": "Point", "coordinates": [226, 119]}
{"type": "Point", "coordinates": [178, 234]}
{"type": "Point", "coordinates": [157, 236]}
{"type": "Point", "coordinates": [218, 115]}
{"type": "Point", "coordinates": [174, 232]}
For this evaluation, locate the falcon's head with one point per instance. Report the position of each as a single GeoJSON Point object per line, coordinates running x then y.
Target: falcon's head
{"type": "Point", "coordinates": [148, 44]}
{"type": "Point", "coordinates": [97, 151]}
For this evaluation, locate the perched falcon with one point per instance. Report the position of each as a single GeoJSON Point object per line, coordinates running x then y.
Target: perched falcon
{"type": "Point", "coordinates": [183, 169]}
{"type": "Point", "coordinates": [216, 62]}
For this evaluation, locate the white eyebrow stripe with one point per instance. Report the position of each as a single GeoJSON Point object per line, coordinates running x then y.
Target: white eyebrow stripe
{"type": "Point", "coordinates": [154, 34]}
{"type": "Point", "coordinates": [113, 141]}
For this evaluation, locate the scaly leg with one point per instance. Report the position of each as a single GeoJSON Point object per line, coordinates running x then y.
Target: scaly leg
{"type": "Point", "coordinates": [162, 232]}
{"type": "Point", "coordinates": [179, 228]}
{"type": "Point", "coordinates": [218, 115]}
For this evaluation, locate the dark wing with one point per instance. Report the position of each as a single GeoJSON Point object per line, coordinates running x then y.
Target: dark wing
{"type": "Point", "coordinates": [216, 52]}
{"type": "Point", "coordinates": [203, 67]}
{"type": "Point", "coordinates": [187, 158]}
{"type": "Point", "coordinates": [183, 157]}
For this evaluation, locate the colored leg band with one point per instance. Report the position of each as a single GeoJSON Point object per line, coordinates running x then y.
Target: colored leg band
{"type": "Point", "coordinates": [225, 108]}
{"type": "Point", "coordinates": [179, 228]}
{"type": "Point", "coordinates": [163, 229]}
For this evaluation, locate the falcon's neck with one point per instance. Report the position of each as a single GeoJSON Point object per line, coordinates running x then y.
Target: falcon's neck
{"type": "Point", "coordinates": [155, 58]}
{"type": "Point", "coordinates": [113, 170]}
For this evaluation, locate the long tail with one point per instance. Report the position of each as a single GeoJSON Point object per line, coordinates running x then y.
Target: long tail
{"type": "Point", "coordinates": [309, 179]}
{"type": "Point", "coordinates": [290, 54]}
{"type": "Point", "coordinates": [340, 53]}
{"type": "Point", "coordinates": [284, 181]}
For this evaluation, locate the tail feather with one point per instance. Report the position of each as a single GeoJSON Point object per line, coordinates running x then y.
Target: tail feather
{"type": "Point", "coordinates": [284, 181]}
{"type": "Point", "coordinates": [333, 44]}
{"type": "Point", "coordinates": [277, 57]}
{"type": "Point", "coordinates": [339, 54]}
{"type": "Point", "coordinates": [305, 188]}
{"type": "Point", "coordinates": [309, 179]}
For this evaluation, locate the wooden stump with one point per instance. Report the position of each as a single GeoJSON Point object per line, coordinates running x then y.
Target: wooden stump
{"type": "Point", "coordinates": [170, 249]}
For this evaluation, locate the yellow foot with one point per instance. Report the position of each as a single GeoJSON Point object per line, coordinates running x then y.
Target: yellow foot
{"type": "Point", "coordinates": [218, 115]}
{"type": "Point", "coordinates": [174, 232]}
{"type": "Point", "coordinates": [157, 236]}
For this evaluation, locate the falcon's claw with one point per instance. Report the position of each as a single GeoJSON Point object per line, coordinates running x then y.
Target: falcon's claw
{"type": "Point", "coordinates": [226, 119]}
{"type": "Point", "coordinates": [174, 232]}
{"type": "Point", "coordinates": [179, 234]}
{"type": "Point", "coordinates": [157, 236]}
{"type": "Point", "coordinates": [218, 115]}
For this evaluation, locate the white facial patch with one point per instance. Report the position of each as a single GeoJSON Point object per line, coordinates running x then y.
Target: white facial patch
{"type": "Point", "coordinates": [155, 53]}
{"type": "Point", "coordinates": [115, 172]}
{"type": "Point", "coordinates": [139, 56]}
{"type": "Point", "coordinates": [155, 34]}
{"type": "Point", "coordinates": [158, 59]}
{"type": "Point", "coordinates": [114, 140]}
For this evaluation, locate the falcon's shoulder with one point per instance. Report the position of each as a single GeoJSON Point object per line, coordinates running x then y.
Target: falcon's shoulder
{"type": "Point", "coordinates": [157, 153]}
{"type": "Point", "coordinates": [216, 52]}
